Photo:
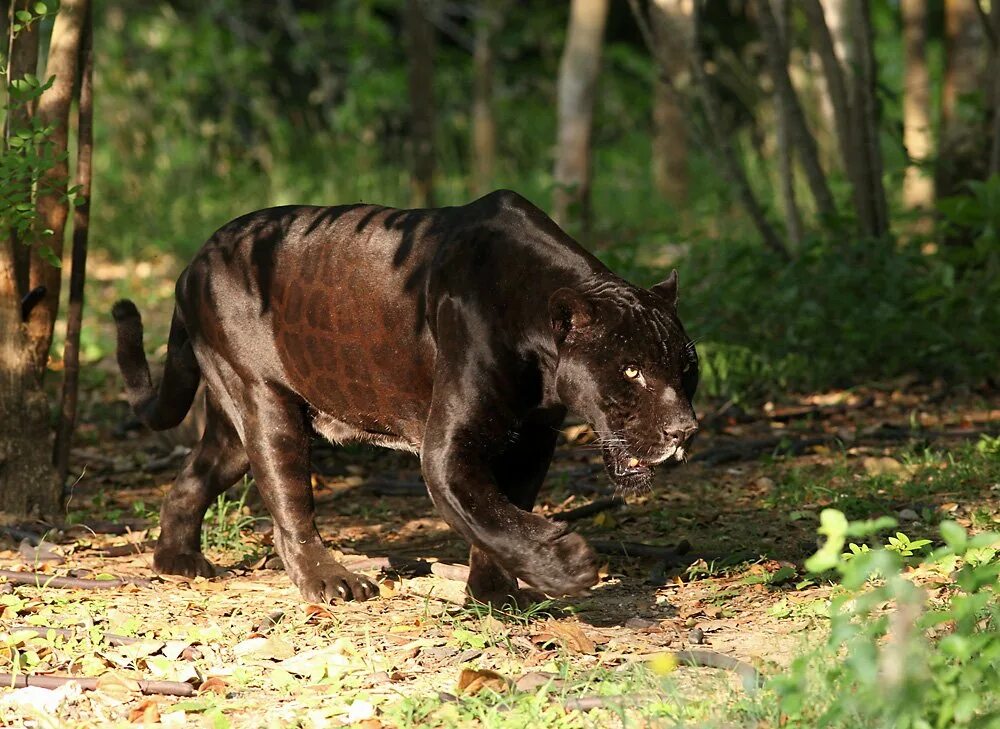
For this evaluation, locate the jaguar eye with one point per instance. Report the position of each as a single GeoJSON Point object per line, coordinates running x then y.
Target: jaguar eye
{"type": "Point", "coordinates": [632, 372]}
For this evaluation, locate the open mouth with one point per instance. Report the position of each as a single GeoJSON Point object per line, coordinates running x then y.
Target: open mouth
{"type": "Point", "coordinates": [627, 471]}
{"type": "Point", "coordinates": [631, 473]}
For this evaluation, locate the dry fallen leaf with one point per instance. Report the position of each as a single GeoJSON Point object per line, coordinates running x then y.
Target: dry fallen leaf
{"type": "Point", "coordinates": [568, 635]}
{"type": "Point", "coordinates": [118, 687]}
{"type": "Point", "coordinates": [147, 712]}
{"type": "Point", "coordinates": [264, 648]}
{"type": "Point", "coordinates": [215, 685]}
{"type": "Point", "coordinates": [472, 681]}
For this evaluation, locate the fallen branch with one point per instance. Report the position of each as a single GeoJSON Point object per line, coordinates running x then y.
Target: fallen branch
{"type": "Point", "coordinates": [638, 549]}
{"type": "Point", "coordinates": [789, 446]}
{"type": "Point", "coordinates": [125, 550]}
{"type": "Point", "coordinates": [412, 567]}
{"type": "Point", "coordinates": [750, 676]}
{"type": "Point", "coordinates": [19, 535]}
{"type": "Point", "coordinates": [37, 579]}
{"type": "Point", "coordinates": [165, 688]}
{"type": "Point", "coordinates": [596, 507]}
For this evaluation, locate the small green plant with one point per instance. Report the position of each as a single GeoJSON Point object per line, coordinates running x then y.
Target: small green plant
{"type": "Point", "coordinates": [226, 520]}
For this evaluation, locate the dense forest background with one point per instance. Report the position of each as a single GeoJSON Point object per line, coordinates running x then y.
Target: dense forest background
{"type": "Point", "coordinates": [207, 110]}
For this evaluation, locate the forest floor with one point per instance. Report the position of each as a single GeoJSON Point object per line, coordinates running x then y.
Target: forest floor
{"type": "Point", "coordinates": [744, 511]}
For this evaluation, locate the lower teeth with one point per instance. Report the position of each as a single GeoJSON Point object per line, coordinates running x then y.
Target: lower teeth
{"type": "Point", "coordinates": [633, 462]}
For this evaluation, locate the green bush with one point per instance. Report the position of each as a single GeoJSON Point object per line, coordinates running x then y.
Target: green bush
{"type": "Point", "coordinates": [839, 314]}
{"type": "Point", "coordinates": [895, 655]}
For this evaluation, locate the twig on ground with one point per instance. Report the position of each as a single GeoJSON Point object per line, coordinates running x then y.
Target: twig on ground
{"type": "Point", "coordinates": [166, 688]}
{"type": "Point", "coordinates": [38, 579]}
{"type": "Point", "coordinates": [595, 507]}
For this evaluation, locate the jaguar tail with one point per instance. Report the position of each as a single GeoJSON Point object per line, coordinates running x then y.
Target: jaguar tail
{"type": "Point", "coordinates": [163, 407]}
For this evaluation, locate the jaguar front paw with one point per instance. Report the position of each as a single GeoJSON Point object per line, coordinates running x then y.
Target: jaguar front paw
{"type": "Point", "coordinates": [565, 566]}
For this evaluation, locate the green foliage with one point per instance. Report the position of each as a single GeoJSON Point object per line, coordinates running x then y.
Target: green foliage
{"type": "Point", "coordinates": [888, 661]}
{"type": "Point", "coordinates": [27, 157]}
{"type": "Point", "coordinates": [838, 314]}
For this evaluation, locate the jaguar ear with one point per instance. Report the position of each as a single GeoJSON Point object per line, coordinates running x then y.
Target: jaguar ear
{"type": "Point", "coordinates": [667, 289]}
{"type": "Point", "coordinates": [569, 311]}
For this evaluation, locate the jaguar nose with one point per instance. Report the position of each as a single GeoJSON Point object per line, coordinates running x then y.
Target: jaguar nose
{"type": "Point", "coordinates": [680, 434]}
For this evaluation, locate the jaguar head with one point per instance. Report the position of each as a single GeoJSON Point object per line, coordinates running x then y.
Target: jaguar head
{"type": "Point", "coordinates": [626, 365]}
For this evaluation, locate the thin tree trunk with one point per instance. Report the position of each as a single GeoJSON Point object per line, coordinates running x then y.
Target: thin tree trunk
{"type": "Point", "coordinates": [790, 109]}
{"type": "Point", "coordinates": [990, 22]}
{"type": "Point", "coordinates": [848, 137]}
{"type": "Point", "coordinates": [865, 105]}
{"type": "Point", "coordinates": [963, 152]}
{"type": "Point", "coordinates": [53, 208]}
{"type": "Point", "coordinates": [484, 127]}
{"type": "Point", "coordinates": [782, 133]}
{"type": "Point", "coordinates": [420, 44]}
{"type": "Point", "coordinates": [78, 272]}
{"type": "Point", "coordinates": [918, 187]}
{"type": "Point", "coordinates": [28, 483]}
{"type": "Point", "coordinates": [994, 24]}
{"type": "Point", "coordinates": [728, 156]}
{"type": "Point", "coordinates": [578, 71]}
{"type": "Point", "coordinates": [672, 28]}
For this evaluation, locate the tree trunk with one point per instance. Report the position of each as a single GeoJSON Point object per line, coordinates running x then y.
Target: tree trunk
{"type": "Point", "coordinates": [420, 47]}
{"type": "Point", "coordinates": [864, 104]}
{"type": "Point", "coordinates": [578, 70]}
{"type": "Point", "coordinates": [53, 208]}
{"type": "Point", "coordinates": [963, 152]}
{"type": "Point", "coordinates": [28, 483]}
{"type": "Point", "coordinates": [918, 187]}
{"type": "Point", "coordinates": [484, 128]}
{"type": "Point", "coordinates": [672, 26]}
{"type": "Point", "coordinates": [728, 156]}
{"type": "Point", "coordinates": [78, 272]}
{"type": "Point", "coordinates": [791, 111]}
{"type": "Point", "coordinates": [782, 131]}
{"type": "Point", "coordinates": [993, 21]}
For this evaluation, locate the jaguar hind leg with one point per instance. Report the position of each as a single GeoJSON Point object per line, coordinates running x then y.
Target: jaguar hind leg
{"type": "Point", "coordinates": [216, 463]}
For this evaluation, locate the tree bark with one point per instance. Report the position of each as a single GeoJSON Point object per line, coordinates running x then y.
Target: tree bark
{"type": "Point", "coordinates": [782, 132]}
{"type": "Point", "coordinates": [420, 47]}
{"type": "Point", "coordinates": [28, 483]}
{"type": "Point", "coordinates": [918, 187]}
{"type": "Point", "coordinates": [672, 26]}
{"type": "Point", "coordinates": [78, 271]}
{"type": "Point", "coordinates": [790, 110]}
{"type": "Point", "coordinates": [484, 128]}
{"type": "Point", "coordinates": [578, 71]}
{"type": "Point", "coordinates": [53, 208]}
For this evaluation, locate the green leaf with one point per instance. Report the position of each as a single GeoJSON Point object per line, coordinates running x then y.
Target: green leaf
{"type": "Point", "coordinates": [49, 256]}
{"type": "Point", "coordinates": [41, 8]}
{"type": "Point", "coordinates": [23, 15]}
{"type": "Point", "coordinates": [954, 536]}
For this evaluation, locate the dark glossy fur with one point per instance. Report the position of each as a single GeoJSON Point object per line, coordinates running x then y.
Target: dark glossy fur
{"type": "Point", "coordinates": [463, 334]}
